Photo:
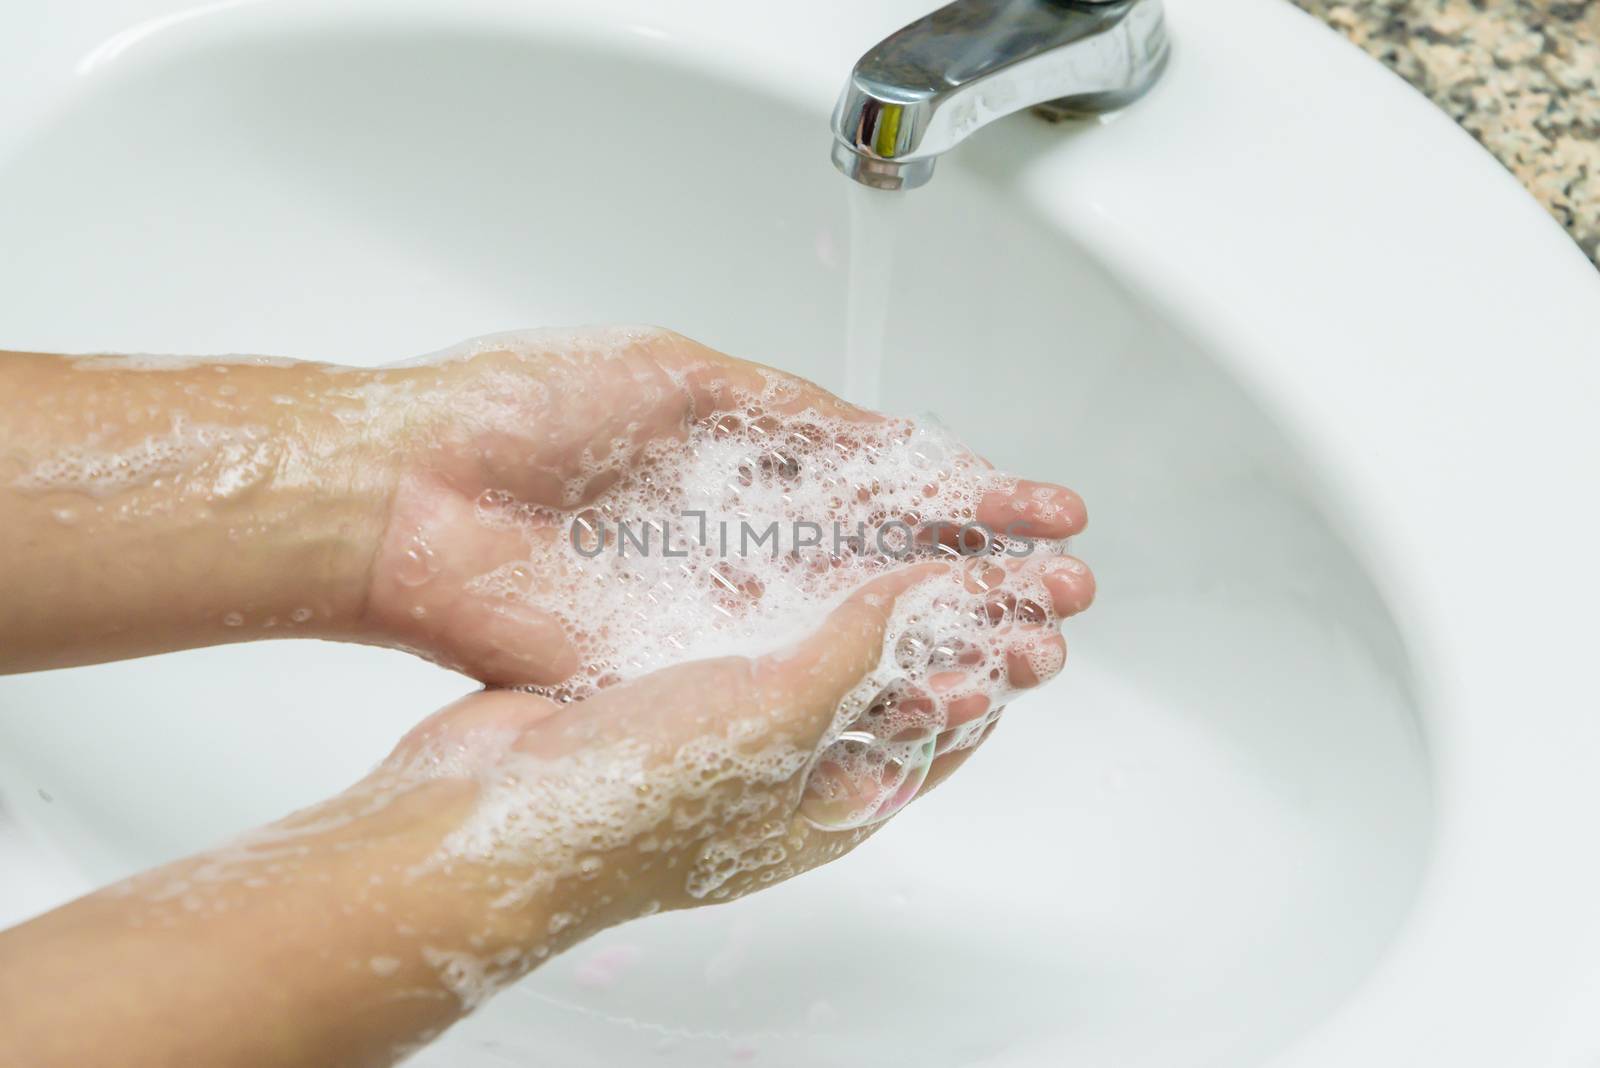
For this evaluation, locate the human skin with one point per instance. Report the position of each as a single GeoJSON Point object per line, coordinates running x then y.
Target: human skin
{"type": "Point", "coordinates": [336, 938]}
{"type": "Point", "coordinates": [351, 932]}
{"type": "Point", "coordinates": [234, 501]}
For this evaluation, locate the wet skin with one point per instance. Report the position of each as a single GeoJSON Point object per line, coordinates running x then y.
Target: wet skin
{"type": "Point", "coordinates": [338, 936]}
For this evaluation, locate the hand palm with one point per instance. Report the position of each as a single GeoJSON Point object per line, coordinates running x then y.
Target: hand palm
{"type": "Point", "coordinates": [537, 429]}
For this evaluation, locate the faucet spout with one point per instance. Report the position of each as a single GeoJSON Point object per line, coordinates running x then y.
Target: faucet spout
{"type": "Point", "coordinates": [925, 89]}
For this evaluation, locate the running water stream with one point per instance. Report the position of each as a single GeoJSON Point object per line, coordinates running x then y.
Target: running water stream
{"type": "Point", "coordinates": [874, 215]}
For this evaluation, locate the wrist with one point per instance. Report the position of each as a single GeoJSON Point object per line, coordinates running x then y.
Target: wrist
{"type": "Point", "coordinates": [332, 490]}
{"type": "Point", "coordinates": [439, 918]}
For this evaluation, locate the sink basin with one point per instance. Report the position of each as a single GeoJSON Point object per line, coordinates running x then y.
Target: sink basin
{"type": "Point", "coordinates": [1318, 787]}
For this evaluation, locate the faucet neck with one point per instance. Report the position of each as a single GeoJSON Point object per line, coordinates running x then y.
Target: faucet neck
{"type": "Point", "coordinates": [927, 87]}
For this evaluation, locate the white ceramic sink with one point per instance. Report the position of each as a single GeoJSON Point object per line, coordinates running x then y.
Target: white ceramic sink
{"type": "Point", "coordinates": [1318, 787]}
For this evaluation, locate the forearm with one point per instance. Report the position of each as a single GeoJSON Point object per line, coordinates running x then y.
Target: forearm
{"type": "Point", "coordinates": [312, 946]}
{"type": "Point", "coordinates": [149, 510]}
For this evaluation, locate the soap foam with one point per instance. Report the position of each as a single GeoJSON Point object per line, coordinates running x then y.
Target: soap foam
{"type": "Point", "coordinates": [735, 539]}
{"type": "Point", "coordinates": [234, 456]}
{"type": "Point", "coordinates": [651, 818]}
{"type": "Point", "coordinates": [600, 824]}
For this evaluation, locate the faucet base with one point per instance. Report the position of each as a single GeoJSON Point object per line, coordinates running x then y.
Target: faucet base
{"type": "Point", "coordinates": [1088, 105]}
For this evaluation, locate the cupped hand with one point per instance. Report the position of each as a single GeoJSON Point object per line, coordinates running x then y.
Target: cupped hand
{"type": "Point", "coordinates": [685, 787]}
{"type": "Point", "coordinates": [550, 422]}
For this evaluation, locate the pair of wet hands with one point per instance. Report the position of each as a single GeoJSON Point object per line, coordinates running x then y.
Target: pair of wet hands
{"type": "Point", "coordinates": [991, 634]}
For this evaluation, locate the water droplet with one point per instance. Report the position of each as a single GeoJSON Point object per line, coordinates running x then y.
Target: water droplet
{"type": "Point", "coordinates": [418, 563]}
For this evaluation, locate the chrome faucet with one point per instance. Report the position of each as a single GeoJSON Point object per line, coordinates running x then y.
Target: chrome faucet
{"type": "Point", "coordinates": [924, 90]}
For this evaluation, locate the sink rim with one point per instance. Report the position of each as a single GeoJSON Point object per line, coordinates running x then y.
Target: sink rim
{"type": "Point", "coordinates": [1477, 977]}
{"type": "Point", "coordinates": [1508, 802]}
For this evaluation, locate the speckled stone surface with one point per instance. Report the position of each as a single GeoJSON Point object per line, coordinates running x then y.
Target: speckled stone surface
{"type": "Point", "coordinates": [1522, 75]}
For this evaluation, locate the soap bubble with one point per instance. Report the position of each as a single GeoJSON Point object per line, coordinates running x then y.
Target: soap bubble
{"type": "Point", "coordinates": [745, 534]}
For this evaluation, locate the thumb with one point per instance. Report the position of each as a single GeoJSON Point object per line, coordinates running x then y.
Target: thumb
{"type": "Point", "coordinates": [805, 684]}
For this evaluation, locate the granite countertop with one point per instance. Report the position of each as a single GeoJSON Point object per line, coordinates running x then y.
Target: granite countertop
{"type": "Point", "coordinates": [1523, 76]}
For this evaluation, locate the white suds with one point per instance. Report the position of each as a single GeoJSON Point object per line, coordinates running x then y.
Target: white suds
{"type": "Point", "coordinates": [230, 458]}
{"type": "Point", "coordinates": [736, 535]}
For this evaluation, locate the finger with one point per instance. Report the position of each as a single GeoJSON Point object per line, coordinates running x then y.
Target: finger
{"type": "Point", "coordinates": [793, 693]}
{"type": "Point", "coordinates": [943, 767]}
{"type": "Point", "coordinates": [948, 763]}
{"type": "Point", "coordinates": [809, 680]}
{"type": "Point", "coordinates": [840, 796]}
{"type": "Point", "coordinates": [512, 644]}
{"type": "Point", "coordinates": [1035, 658]}
{"type": "Point", "coordinates": [1071, 585]}
{"type": "Point", "coordinates": [1033, 510]}
{"type": "Point", "coordinates": [960, 711]}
